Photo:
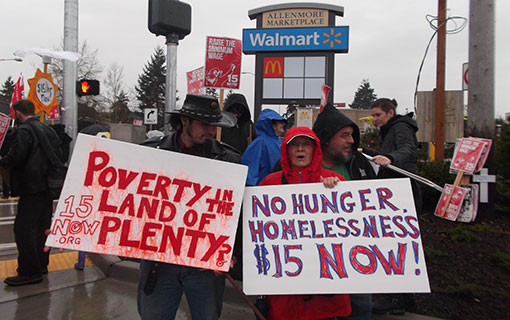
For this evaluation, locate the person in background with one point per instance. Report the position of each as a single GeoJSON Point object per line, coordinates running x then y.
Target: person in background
{"type": "Point", "coordinates": [243, 133]}
{"type": "Point", "coordinates": [262, 154]}
{"type": "Point", "coordinates": [65, 139]}
{"type": "Point", "coordinates": [301, 161]}
{"type": "Point", "coordinates": [28, 162]}
{"type": "Point", "coordinates": [161, 285]}
{"type": "Point", "coordinates": [399, 147]}
{"type": "Point", "coordinates": [9, 138]}
{"type": "Point", "coordinates": [339, 138]}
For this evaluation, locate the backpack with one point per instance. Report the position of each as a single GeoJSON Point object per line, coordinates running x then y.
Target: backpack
{"type": "Point", "coordinates": [56, 170]}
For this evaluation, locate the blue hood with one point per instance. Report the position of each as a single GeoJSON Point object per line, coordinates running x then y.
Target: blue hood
{"type": "Point", "coordinates": [264, 126]}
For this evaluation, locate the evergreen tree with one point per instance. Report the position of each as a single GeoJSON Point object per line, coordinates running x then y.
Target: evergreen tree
{"type": "Point", "coordinates": [120, 112]}
{"type": "Point", "coordinates": [364, 96]}
{"type": "Point", "coordinates": [7, 88]}
{"type": "Point", "coordinates": [150, 90]}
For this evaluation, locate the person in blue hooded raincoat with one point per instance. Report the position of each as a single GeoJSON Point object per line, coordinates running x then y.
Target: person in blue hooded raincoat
{"type": "Point", "coordinates": [262, 154]}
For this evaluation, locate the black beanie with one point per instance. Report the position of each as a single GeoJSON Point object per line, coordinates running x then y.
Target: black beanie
{"type": "Point", "coordinates": [330, 121]}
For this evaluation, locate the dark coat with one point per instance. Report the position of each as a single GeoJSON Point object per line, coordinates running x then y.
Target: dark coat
{"type": "Point", "coordinates": [212, 149]}
{"type": "Point", "coordinates": [243, 132]}
{"type": "Point", "coordinates": [26, 158]}
{"type": "Point", "coordinates": [398, 143]}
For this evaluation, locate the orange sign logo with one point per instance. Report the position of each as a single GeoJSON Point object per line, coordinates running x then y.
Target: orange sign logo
{"type": "Point", "coordinates": [273, 67]}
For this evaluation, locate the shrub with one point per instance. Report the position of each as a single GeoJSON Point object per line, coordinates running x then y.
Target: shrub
{"type": "Point", "coordinates": [437, 172]}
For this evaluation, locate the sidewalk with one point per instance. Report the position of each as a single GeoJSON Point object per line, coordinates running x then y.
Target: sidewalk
{"type": "Point", "coordinates": [107, 290]}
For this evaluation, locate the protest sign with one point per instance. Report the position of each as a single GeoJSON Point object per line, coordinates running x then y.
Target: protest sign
{"type": "Point", "coordinates": [196, 81]}
{"type": "Point", "coordinates": [467, 154]}
{"type": "Point", "coordinates": [454, 205]}
{"type": "Point", "coordinates": [469, 207]}
{"type": "Point", "coordinates": [141, 202]}
{"type": "Point", "coordinates": [223, 63]}
{"type": "Point", "coordinates": [359, 237]}
{"type": "Point", "coordinates": [4, 126]}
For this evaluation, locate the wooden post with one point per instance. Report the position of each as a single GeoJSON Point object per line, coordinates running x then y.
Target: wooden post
{"type": "Point", "coordinates": [218, 132]}
{"type": "Point", "coordinates": [440, 80]}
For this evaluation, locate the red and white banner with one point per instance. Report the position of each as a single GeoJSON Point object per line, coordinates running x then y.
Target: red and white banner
{"type": "Point", "coordinates": [18, 93]}
{"type": "Point", "coordinates": [470, 154]}
{"type": "Point", "coordinates": [4, 126]}
{"type": "Point", "coordinates": [54, 114]}
{"type": "Point", "coordinates": [223, 63]}
{"type": "Point", "coordinates": [196, 81]}
{"type": "Point", "coordinates": [124, 199]}
{"type": "Point", "coordinates": [324, 96]}
{"type": "Point", "coordinates": [455, 204]}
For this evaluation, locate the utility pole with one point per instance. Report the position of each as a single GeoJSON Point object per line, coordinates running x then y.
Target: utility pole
{"type": "Point", "coordinates": [70, 107]}
{"type": "Point", "coordinates": [481, 122]}
{"type": "Point", "coordinates": [440, 80]}
{"type": "Point", "coordinates": [481, 69]}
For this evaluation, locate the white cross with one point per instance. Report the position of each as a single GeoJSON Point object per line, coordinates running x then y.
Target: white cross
{"type": "Point", "coordinates": [483, 179]}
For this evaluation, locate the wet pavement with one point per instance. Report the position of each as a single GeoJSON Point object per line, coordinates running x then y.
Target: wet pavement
{"type": "Point", "coordinates": [105, 290]}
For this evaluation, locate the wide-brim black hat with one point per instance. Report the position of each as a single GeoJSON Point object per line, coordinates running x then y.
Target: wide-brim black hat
{"type": "Point", "coordinates": [206, 109]}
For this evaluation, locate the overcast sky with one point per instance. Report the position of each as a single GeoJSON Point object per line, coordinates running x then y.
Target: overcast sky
{"type": "Point", "coordinates": [387, 41]}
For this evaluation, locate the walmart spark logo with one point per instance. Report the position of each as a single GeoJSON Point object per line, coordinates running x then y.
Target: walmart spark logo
{"type": "Point", "coordinates": [333, 38]}
{"type": "Point", "coordinates": [296, 39]}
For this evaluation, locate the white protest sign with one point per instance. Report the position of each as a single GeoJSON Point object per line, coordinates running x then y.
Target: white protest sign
{"type": "Point", "coordinates": [141, 202]}
{"type": "Point", "coordinates": [359, 237]}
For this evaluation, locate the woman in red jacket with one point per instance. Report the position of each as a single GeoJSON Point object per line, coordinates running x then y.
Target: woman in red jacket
{"type": "Point", "coordinates": [301, 159]}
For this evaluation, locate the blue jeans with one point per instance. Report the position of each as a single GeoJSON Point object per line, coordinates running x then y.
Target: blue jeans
{"type": "Point", "coordinates": [203, 289]}
{"type": "Point", "coordinates": [361, 305]}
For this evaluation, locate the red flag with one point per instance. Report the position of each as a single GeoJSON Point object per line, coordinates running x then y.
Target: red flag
{"type": "Point", "coordinates": [18, 93]}
{"type": "Point", "coordinates": [324, 96]}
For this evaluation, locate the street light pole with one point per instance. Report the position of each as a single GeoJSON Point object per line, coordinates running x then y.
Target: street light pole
{"type": "Point", "coordinates": [12, 59]}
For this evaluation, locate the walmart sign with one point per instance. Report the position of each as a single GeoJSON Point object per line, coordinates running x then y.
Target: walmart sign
{"type": "Point", "coordinates": [296, 39]}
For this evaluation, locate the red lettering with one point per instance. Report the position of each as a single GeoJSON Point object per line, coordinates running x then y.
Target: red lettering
{"type": "Point", "coordinates": [195, 235]}
{"type": "Point", "coordinates": [161, 186]}
{"type": "Point", "coordinates": [181, 184]}
{"type": "Point", "coordinates": [215, 244]}
{"type": "Point", "coordinates": [144, 183]}
{"type": "Point", "coordinates": [93, 166]}
{"type": "Point", "coordinates": [198, 193]}
{"type": "Point", "coordinates": [129, 204]}
{"type": "Point", "coordinates": [171, 216]}
{"type": "Point", "coordinates": [109, 224]}
{"type": "Point", "coordinates": [106, 182]}
{"type": "Point", "coordinates": [103, 205]}
{"type": "Point", "coordinates": [336, 262]}
{"type": "Point", "coordinates": [151, 208]}
{"type": "Point", "coordinates": [148, 231]}
{"type": "Point", "coordinates": [368, 269]}
{"type": "Point", "coordinates": [205, 219]}
{"type": "Point", "coordinates": [175, 241]}
{"type": "Point", "coordinates": [125, 179]}
{"type": "Point", "coordinates": [124, 236]}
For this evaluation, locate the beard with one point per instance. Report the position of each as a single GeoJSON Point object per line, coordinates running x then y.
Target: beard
{"type": "Point", "coordinates": [340, 157]}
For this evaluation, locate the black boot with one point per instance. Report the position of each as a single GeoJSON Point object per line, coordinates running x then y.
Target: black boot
{"type": "Point", "coordinates": [390, 303]}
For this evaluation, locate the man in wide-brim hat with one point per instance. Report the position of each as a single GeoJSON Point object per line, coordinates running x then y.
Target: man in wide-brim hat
{"type": "Point", "coordinates": [161, 285]}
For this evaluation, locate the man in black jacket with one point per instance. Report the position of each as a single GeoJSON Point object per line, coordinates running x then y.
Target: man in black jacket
{"type": "Point", "coordinates": [340, 138]}
{"type": "Point", "coordinates": [29, 164]}
{"type": "Point", "coordinates": [161, 285]}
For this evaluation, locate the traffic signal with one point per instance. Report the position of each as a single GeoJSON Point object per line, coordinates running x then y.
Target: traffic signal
{"type": "Point", "coordinates": [87, 87]}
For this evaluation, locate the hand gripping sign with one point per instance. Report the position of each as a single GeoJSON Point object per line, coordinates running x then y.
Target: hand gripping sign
{"type": "Point", "coordinates": [359, 237]}
{"type": "Point", "coordinates": [134, 201]}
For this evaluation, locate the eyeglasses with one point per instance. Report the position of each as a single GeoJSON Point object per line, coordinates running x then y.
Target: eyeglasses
{"type": "Point", "coordinates": [303, 144]}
